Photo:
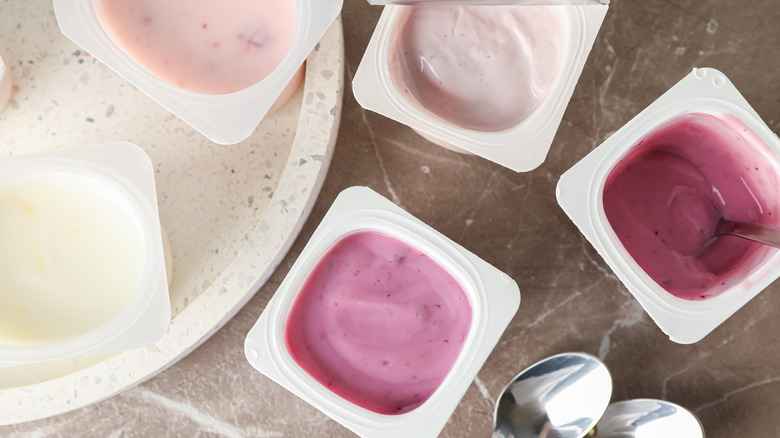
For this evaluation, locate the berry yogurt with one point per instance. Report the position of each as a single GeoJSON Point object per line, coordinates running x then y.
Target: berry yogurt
{"type": "Point", "coordinates": [378, 322]}
{"type": "Point", "coordinates": [664, 199]}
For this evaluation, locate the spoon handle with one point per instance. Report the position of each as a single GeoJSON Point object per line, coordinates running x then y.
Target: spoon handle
{"type": "Point", "coordinates": [766, 234]}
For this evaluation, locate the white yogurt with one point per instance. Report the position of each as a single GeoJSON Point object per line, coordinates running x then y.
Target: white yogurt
{"type": "Point", "coordinates": [72, 256]}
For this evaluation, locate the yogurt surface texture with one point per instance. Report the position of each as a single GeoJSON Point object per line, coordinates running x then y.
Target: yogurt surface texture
{"type": "Point", "coordinates": [378, 322]}
{"type": "Point", "coordinates": [71, 258]}
{"type": "Point", "coordinates": [479, 68]}
{"type": "Point", "coordinates": [204, 46]}
{"type": "Point", "coordinates": [663, 201]}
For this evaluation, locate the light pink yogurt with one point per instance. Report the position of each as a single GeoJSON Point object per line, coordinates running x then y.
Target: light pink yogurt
{"type": "Point", "coordinates": [378, 322]}
{"type": "Point", "coordinates": [204, 46]}
{"type": "Point", "coordinates": [481, 68]}
{"type": "Point", "coordinates": [663, 200]}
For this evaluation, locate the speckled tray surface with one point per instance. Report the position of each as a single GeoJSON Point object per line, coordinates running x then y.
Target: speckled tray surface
{"type": "Point", "coordinates": [231, 212]}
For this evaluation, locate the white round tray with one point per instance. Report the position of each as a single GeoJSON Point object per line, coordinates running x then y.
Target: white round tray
{"type": "Point", "coordinates": [231, 212]}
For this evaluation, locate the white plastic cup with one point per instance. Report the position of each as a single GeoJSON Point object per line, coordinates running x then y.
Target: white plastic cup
{"type": "Point", "coordinates": [521, 148]}
{"type": "Point", "coordinates": [494, 299]}
{"type": "Point", "coordinates": [223, 119]}
{"type": "Point", "coordinates": [580, 194]}
{"type": "Point", "coordinates": [124, 172]}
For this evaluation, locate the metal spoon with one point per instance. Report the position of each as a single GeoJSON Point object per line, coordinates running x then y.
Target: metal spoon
{"type": "Point", "coordinates": [698, 222]}
{"type": "Point", "coordinates": [766, 234]}
{"type": "Point", "coordinates": [647, 418]}
{"type": "Point", "coordinates": [562, 396]}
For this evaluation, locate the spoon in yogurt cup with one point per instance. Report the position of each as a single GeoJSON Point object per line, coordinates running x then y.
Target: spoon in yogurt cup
{"type": "Point", "coordinates": [696, 222]}
{"type": "Point", "coordinates": [562, 396]}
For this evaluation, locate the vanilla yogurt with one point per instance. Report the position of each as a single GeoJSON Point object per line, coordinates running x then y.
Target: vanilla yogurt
{"type": "Point", "coordinates": [72, 256]}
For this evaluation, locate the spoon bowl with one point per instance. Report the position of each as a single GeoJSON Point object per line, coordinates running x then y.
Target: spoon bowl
{"type": "Point", "coordinates": [562, 396]}
{"type": "Point", "coordinates": [643, 418]}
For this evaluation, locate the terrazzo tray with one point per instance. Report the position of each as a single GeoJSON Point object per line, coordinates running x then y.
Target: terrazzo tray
{"type": "Point", "coordinates": [231, 212]}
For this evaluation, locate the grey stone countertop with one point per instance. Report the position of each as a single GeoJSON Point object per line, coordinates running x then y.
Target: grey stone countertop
{"type": "Point", "coordinates": [571, 300]}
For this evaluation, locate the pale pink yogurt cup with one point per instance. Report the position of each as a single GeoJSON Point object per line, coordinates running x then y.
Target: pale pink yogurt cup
{"type": "Point", "coordinates": [491, 81]}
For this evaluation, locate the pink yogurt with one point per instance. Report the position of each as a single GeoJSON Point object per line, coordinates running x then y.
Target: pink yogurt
{"type": "Point", "coordinates": [481, 68]}
{"type": "Point", "coordinates": [204, 46]}
{"type": "Point", "coordinates": [378, 322]}
{"type": "Point", "coordinates": [663, 201]}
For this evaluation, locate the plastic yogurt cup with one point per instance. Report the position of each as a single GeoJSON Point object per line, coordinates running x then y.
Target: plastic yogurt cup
{"type": "Point", "coordinates": [6, 80]}
{"type": "Point", "coordinates": [226, 109]}
{"type": "Point", "coordinates": [83, 262]}
{"type": "Point", "coordinates": [493, 81]}
{"type": "Point", "coordinates": [382, 323]}
{"type": "Point", "coordinates": [649, 197]}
